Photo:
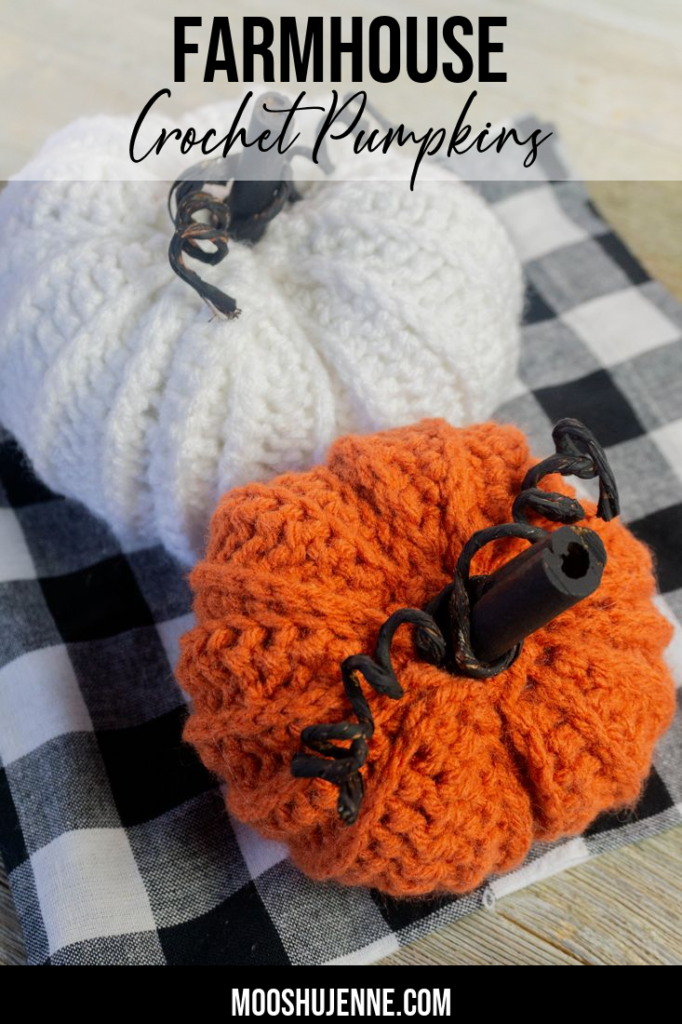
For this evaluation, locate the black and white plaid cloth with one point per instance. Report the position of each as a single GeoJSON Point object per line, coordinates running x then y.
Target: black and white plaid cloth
{"type": "Point", "coordinates": [115, 838]}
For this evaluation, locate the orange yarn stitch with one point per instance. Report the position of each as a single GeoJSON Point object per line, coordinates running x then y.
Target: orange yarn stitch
{"type": "Point", "coordinates": [462, 775]}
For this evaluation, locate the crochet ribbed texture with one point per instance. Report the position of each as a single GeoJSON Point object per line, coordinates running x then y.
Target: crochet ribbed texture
{"type": "Point", "coordinates": [365, 306]}
{"type": "Point", "coordinates": [463, 775]}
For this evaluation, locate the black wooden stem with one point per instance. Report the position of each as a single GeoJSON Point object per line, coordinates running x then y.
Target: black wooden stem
{"type": "Point", "coordinates": [261, 188]}
{"type": "Point", "coordinates": [529, 591]}
{"type": "Point", "coordinates": [260, 171]}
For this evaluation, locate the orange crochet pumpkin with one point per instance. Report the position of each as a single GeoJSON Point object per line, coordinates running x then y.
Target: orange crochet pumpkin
{"type": "Point", "coordinates": [462, 774]}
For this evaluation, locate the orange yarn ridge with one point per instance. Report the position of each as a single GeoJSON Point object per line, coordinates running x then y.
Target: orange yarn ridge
{"type": "Point", "coordinates": [462, 775]}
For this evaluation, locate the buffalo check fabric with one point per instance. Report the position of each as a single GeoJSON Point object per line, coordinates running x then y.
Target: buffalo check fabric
{"type": "Point", "coordinates": [114, 837]}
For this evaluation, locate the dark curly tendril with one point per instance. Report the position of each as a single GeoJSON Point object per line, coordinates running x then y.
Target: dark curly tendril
{"type": "Point", "coordinates": [218, 224]}
{"type": "Point", "coordinates": [443, 630]}
{"type": "Point", "coordinates": [341, 765]}
{"type": "Point", "coordinates": [206, 221]}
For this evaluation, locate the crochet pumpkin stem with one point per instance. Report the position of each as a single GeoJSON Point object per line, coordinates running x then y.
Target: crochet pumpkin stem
{"type": "Point", "coordinates": [487, 618]}
{"type": "Point", "coordinates": [541, 583]}
{"type": "Point", "coordinates": [261, 189]}
{"type": "Point", "coordinates": [260, 172]}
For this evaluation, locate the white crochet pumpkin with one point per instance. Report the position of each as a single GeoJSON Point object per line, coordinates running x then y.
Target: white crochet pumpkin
{"type": "Point", "coordinates": [365, 306]}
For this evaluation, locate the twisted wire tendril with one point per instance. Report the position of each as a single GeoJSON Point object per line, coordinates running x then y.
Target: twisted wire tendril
{"type": "Point", "coordinates": [200, 217]}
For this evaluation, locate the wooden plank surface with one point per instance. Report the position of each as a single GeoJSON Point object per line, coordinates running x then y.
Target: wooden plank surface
{"type": "Point", "coordinates": [11, 941]}
{"type": "Point", "coordinates": [621, 909]}
{"type": "Point", "coordinates": [626, 906]}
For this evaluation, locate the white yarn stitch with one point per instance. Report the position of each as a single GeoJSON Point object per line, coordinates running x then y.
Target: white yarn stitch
{"type": "Point", "coordinates": [365, 306]}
